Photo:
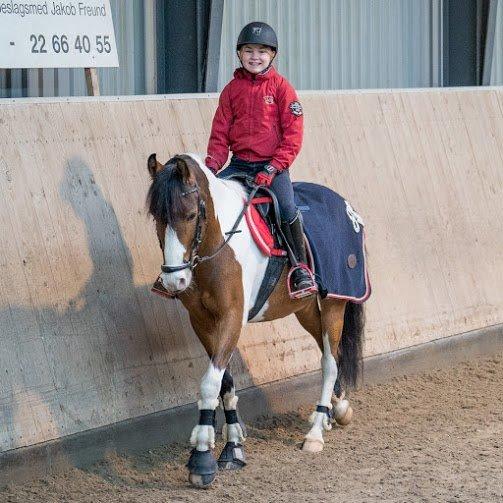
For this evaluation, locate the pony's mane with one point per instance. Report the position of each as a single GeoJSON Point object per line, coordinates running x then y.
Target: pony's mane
{"type": "Point", "coordinates": [165, 199]}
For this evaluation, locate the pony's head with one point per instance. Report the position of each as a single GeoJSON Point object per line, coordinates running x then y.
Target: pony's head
{"type": "Point", "coordinates": [175, 201]}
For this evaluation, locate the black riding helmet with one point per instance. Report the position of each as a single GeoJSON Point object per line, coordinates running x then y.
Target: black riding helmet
{"type": "Point", "coordinates": [258, 33]}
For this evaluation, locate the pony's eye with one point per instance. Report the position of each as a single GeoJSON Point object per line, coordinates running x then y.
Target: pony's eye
{"type": "Point", "coordinates": [191, 217]}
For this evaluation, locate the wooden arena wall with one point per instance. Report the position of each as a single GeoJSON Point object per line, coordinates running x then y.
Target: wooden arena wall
{"type": "Point", "coordinates": [84, 343]}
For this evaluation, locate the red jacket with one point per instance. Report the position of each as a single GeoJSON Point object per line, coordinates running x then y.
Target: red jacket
{"type": "Point", "coordinates": [259, 118]}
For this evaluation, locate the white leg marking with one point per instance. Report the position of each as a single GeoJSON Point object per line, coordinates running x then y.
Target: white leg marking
{"type": "Point", "coordinates": [232, 432]}
{"type": "Point", "coordinates": [260, 315]}
{"type": "Point", "coordinates": [203, 436]}
{"type": "Point", "coordinates": [320, 420]}
{"type": "Point", "coordinates": [228, 197]}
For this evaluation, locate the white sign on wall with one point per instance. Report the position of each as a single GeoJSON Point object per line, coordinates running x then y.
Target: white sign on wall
{"type": "Point", "coordinates": [56, 34]}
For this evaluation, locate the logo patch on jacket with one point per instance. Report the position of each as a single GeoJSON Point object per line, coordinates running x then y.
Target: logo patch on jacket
{"type": "Point", "coordinates": [269, 100]}
{"type": "Point", "coordinates": [296, 108]}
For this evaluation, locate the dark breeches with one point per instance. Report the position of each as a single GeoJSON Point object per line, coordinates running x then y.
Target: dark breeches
{"type": "Point", "coordinates": [281, 185]}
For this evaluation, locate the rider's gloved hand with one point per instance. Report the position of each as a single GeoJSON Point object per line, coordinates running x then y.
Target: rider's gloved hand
{"type": "Point", "coordinates": [212, 165]}
{"type": "Point", "coordinates": [266, 176]}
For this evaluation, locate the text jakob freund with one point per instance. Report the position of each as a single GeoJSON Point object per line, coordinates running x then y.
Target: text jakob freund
{"type": "Point", "coordinates": [53, 8]}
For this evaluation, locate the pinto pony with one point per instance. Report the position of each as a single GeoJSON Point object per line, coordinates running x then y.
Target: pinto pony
{"type": "Point", "coordinates": [215, 269]}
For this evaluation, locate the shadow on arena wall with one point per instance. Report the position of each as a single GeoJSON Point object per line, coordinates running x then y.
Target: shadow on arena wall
{"type": "Point", "coordinates": [112, 352]}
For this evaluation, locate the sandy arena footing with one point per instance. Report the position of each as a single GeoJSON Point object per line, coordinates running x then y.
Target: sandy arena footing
{"type": "Point", "coordinates": [437, 436]}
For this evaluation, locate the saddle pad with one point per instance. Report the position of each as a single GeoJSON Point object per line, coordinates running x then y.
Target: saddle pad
{"type": "Point", "coordinates": [336, 237]}
{"type": "Point", "coordinates": [260, 231]}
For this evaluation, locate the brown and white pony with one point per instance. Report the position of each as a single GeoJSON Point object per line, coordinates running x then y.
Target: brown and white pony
{"type": "Point", "coordinates": [217, 276]}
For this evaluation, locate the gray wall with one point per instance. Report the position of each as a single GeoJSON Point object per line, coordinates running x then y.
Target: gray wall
{"type": "Point", "coordinates": [324, 44]}
{"type": "Point", "coordinates": [497, 66]}
{"type": "Point", "coordinates": [340, 44]}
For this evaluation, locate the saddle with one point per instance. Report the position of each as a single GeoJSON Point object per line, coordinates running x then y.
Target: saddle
{"type": "Point", "coordinates": [264, 221]}
{"type": "Point", "coordinates": [263, 218]}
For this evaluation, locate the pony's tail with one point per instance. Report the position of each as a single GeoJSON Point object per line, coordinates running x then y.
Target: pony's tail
{"type": "Point", "coordinates": [350, 357]}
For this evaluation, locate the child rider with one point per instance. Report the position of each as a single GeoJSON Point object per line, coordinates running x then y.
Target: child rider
{"type": "Point", "coordinates": [260, 119]}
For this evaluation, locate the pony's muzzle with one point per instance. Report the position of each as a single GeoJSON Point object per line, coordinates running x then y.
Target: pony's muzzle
{"type": "Point", "coordinates": [176, 282]}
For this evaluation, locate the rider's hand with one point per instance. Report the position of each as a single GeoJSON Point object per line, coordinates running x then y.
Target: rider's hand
{"type": "Point", "coordinates": [212, 165]}
{"type": "Point", "coordinates": [266, 176]}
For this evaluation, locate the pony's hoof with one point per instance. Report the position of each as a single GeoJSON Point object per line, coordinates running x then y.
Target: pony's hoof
{"type": "Point", "coordinates": [345, 416]}
{"type": "Point", "coordinates": [201, 481]}
{"type": "Point", "coordinates": [312, 445]}
{"type": "Point", "coordinates": [202, 467]}
{"type": "Point", "coordinates": [232, 457]}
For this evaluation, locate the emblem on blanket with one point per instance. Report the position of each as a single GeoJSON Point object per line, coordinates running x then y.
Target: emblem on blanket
{"type": "Point", "coordinates": [354, 217]}
{"type": "Point", "coordinates": [352, 261]}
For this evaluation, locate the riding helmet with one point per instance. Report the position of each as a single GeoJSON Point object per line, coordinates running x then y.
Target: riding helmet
{"type": "Point", "coordinates": [258, 33]}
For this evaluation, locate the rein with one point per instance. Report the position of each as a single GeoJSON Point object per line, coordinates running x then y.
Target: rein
{"type": "Point", "coordinates": [195, 259]}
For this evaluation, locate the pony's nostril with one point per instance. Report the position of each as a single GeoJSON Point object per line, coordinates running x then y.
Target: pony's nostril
{"type": "Point", "coordinates": [182, 283]}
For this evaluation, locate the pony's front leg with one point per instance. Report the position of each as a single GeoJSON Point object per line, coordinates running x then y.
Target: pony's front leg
{"type": "Point", "coordinates": [232, 456]}
{"type": "Point", "coordinates": [202, 464]}
{"type": "Point", "coordinates": [219, 338]}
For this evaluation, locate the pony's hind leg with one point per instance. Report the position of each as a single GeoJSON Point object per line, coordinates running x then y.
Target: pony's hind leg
{"type": "Point", "coordinates": [232, 456]}
{"type": "Point", "coordinates": [327, 332]}
{"type": "Point", "coordinates": [341, 410]}
{"type": "Point", "coordinates": [350, 358]}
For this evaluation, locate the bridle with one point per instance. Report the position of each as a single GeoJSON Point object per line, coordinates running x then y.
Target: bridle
{"type": "Point", "coordinates": [195, 259]}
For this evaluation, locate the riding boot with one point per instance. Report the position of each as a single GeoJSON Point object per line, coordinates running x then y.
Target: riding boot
{"type": "Point", "coordinates": [301, 281]}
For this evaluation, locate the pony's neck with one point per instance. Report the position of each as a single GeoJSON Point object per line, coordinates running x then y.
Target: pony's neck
{"type": "Point", "coordinates": [228, 197]}
{"type": "Point", "coordinates": [224, 202]}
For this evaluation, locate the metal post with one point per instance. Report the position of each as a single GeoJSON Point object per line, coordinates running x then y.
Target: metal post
{"type": "Point", "coordinates": [487, 61]}
{"type": "Point", "coordinates": [436, 37]}
{"type": "Point", "coordinates": [93, 85]}
{"type": "Point", "coordinates": [213, 46]}
{"type": "Point", "coordinates": [445, 43]}
{"type": "Point", "coordinates": [149, 11]}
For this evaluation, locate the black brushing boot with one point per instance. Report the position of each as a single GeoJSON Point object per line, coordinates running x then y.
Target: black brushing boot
{"type": "Point", "coordinates": [202, 467]}
{"type": "Point", "coordinates": [232, 457]}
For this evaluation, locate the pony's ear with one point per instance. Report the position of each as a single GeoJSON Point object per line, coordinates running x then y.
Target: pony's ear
{"type": "Point", "coordinates": [153, 165]}
{"type": "Point", "coordinates": [183, 170]}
